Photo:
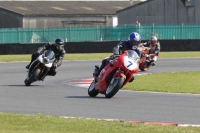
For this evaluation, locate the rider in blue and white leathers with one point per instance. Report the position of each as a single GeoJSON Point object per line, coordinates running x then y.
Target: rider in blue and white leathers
{"type": "Point", "coordinates": [134, 39]}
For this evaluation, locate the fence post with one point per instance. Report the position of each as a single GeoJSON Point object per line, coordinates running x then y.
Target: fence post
{"type": "Point", "coordinates": [100, 34]}
{"type": "Point", "coordinates": [18, 35]}
{"type": "Point", "coordinates": [182, 31]}
{"type": "Point", "coordinates": [70, 33]}
{"type": "Point", "coordinates": [1, 32]}
{"type": "Point", "coordinates": [153, 29]}
{"type": "Point", "coordinates": [43, 33]}
{"type": "Point", "coordinates": [139, 28]}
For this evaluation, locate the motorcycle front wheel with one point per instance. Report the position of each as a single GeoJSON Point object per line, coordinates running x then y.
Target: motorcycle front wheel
{"type": "Point", "coordinates": [114, 86]}
{"type": "Point", "coordinates": [33, 76]}
{"type": "Point", "coordinates": [91, 90]}
{"type": "Point", "coordinates": [145, 67]}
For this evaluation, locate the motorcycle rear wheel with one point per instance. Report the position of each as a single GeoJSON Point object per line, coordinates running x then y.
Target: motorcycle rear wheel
{"type": "Point", "coordinates": [114, 87]}
{"type": "Point", "coordinates": [91, 90]}
{"type": "Point", "coordinates": [32, 77]}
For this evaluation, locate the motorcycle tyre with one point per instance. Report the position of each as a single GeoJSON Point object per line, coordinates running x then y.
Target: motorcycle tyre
{"type": "Point", "coordinates": [32, 77]}
{"type": "Point", "coordinates": [145, 67]}
{"type": "Point", "coordinates": [116, 87]}
{"type": "Point", "coordinates": [92, 92]}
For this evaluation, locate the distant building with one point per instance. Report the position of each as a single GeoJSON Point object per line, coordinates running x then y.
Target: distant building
{"type": "Point", "coordinates": [56, 14]}
{"type": "Point", "coordinates": [161, 12]}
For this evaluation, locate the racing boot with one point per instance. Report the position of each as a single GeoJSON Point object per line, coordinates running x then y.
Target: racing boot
{"type": "Point", "coordinates": [131, 80]}
{"type": "Point", "coordinates": [52, 72]}
{"type": "Point", "coordinates": [147, 58]}
{"type": "Point", "coordinates": [27, 67]}
{"type": "Point", "coordinates": [153, 63]}
{"type": "Point", "coordinates": [33, 57]}
{"type": "Point", "coordinates": [96, 74]}
{"type": "Point", "coordinates": [96, 71]}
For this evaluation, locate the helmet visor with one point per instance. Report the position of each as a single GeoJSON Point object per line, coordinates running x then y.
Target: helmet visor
{"type": "Point", "coordinates": [134, 43]}
{"type": "Point", "coordinates": [59, 47]}
{"type": "Point", "coordinates": [153, 42]}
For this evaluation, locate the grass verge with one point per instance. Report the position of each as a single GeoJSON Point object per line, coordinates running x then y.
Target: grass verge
{"type": "Point", "coordinates": [16, 123]}
{"type": "Point", "coordinates": [179, 82]}
{"type": "Point", "coordinates": [96, 56]}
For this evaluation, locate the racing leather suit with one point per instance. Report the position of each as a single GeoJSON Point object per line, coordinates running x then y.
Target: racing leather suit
{"type": "Point", "coordinates": [154, 49]}
{"type": "Point", "coordinates": [119, 49]}
{"type": "Point", "coordinates": [59, 55]}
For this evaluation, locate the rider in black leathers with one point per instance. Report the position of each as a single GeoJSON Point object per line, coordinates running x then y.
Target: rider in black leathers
{"type": "Point", "coordinates": [58, 48]}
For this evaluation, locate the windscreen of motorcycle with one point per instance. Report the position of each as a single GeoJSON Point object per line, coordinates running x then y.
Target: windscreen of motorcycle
{"type": "Point", "coordinates": [49, 55]}
{"type": "Point", "coordinates": [131, 60]}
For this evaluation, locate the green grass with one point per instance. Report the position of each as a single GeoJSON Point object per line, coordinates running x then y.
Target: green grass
{"type": "Point", "coordinates": [16, 123]}
{"type": "Point", "coordinates": [179, 82]}
{"type": "Point", "coordinates": [96, 56]}
{"type": "Point", "coordinates": [179, 54]}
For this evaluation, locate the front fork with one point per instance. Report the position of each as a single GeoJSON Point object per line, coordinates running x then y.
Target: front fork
{"type": "Point", "coordinates": [121, 74]}
{"type": "Point", "coordinates": [43, 70]}
{"type": "Point", "coordinates": [95, 71]}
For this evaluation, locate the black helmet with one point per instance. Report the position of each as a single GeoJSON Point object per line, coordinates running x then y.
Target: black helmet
{"type": "Point", "coordinates": [59, 43]}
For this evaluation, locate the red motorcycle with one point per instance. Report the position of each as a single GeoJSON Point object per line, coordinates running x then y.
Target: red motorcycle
{"type": "Point", "coordinates": [115, 74]}
{"type": "Point", "coordinates": [146, 59]}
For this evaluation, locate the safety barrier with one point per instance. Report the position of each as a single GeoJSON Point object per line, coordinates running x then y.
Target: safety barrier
{"type": "Point", "coordinates": [98, 47]}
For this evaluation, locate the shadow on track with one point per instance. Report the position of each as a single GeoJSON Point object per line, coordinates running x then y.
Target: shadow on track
{"type": "Point", "coordinates": [88, 97]}
{"type": "Point", "coordinates": [19, 85]}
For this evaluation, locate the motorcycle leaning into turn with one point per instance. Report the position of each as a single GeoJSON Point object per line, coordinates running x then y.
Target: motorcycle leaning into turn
{"type": "Point", "coordinates": [115, 74]}
{"type": "Point", "coordinates": [40, 67]}
{"type": "Point", "coordinates": [146, 60]}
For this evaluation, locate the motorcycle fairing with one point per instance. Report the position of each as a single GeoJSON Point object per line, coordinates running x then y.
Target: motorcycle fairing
{"type": "Point", "coordinates": [43, 62]}
{"type": "Point", "coordinates": [119, 69]}
{"type": "Point", "coordinates": [47, 58]}
{"type": "Point", "coordinates": [129, 63]}
{"type": "Point", "coordinates": [102, 84]}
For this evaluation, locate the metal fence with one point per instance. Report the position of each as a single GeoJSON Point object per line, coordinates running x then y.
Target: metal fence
{"type": "Point", "coordinates": [80, 34]}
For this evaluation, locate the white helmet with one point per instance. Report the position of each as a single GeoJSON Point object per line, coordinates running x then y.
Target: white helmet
{"type": "Point", "coordinates": [154, 40]}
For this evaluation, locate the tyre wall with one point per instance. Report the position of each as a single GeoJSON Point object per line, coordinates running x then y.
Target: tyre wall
{"type": "Point", "coordinates": [98, 47]}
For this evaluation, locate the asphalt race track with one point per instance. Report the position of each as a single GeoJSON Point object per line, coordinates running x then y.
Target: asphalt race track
{"type": "Point", "coordinates": [55, 96]}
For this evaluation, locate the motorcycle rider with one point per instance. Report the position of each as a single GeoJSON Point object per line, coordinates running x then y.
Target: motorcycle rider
{"type": "Point", "coordinates": [134, 39]}
{"type": "Point", "coordinates": [154, 46]}
{"type": "Point", "coordinates": [58, 48]}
